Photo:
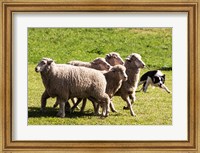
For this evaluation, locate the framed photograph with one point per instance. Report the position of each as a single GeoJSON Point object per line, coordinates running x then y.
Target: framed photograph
{"type": "Point", "coordinates": [161, 37]}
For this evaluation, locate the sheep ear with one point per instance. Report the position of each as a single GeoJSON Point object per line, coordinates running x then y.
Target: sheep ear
{"type": "Point", "coordinates": [108, 55]}
{"type": "Point", "coordinates": [128, 59]}
{"type": "Point", "coordinates": [49, 62]}
{"type": "Point", "coordinates": [93, 62]}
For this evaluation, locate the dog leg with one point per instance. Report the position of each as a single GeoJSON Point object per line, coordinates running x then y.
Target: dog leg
{"type": "Point", "coordinates": [146, 84]}
{"type": "Point", "coordinates": [166, 89]}
{"type": "Point", "coordinates": [141, 82]}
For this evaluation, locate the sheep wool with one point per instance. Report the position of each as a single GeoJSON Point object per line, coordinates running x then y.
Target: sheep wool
{"type": "Point", "coordinates": [127, 91]}
{"type": "Point", "coordinates": [66, 81]}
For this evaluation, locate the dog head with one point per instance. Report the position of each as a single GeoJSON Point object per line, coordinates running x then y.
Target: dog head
{"type": "Point", "coordinates": [159, 80]}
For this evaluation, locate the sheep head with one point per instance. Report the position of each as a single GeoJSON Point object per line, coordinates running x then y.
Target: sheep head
{"type": "Point", "coordinates": [100, 64]}
{"type": "Point", "coordinates": [43, 65]}
{"type": "Point", "coordinates": [114, 58]}
{"type": "Point", "coordinates": [135, 60]}
{"type": "Point", "coordinates": [121, 72]}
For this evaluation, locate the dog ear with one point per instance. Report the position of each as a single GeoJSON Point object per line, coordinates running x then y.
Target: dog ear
{"type": "Point", "coordinates": [164, 76]}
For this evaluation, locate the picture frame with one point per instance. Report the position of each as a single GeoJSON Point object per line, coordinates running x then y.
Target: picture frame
{"type": "Point", "coordinates": [8, 8]}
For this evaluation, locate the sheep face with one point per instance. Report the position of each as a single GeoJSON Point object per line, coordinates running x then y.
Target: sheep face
{"type": "Point", "coordinates": [121, 72]}
{"type": "Point", "coordinates": [135, 60]}
{"type": "Point", "coordinates": [101, 64]}
{"type": "Point", "coordinates": [44, 64]}
{"type": "Point", "coordinates": [114, 59]}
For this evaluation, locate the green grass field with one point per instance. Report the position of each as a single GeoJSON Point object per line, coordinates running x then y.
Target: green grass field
{"type": "Point", "coordinates": [85, 44]}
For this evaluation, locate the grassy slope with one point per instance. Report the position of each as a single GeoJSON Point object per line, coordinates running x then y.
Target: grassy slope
{"type": "Point", "coordinates": [85, 44]}
{"type": "Point", "coordinates": [63, 45]}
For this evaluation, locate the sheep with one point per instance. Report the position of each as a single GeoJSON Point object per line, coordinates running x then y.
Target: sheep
{"type": "Point", "coordinates": [114, 58]}
{"type": "Point", "coordinates": [98, 63]}
{"type": "Point", "coordinates": [133, 63]}
{"type": "Point", "coordinates": [114, 79]}
{"type": "Point", "coordinates": [111, 59]}
{"type": "Point", "coordinates": [66, 81]}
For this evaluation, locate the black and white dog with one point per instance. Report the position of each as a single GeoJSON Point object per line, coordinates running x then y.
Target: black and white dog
{"type": "Point", "coordinates": [154, 78]}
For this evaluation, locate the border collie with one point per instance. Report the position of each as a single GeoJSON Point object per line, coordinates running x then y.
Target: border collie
{"type": "Point", "coordinates": [154, 78]}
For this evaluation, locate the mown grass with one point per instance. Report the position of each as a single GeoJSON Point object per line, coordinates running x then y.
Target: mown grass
{"type": "Point", "coordinates": [85, 44]}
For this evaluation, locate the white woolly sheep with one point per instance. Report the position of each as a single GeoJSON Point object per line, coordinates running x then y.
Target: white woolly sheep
{"type": "Point", "coordinates": [127, 91]}
{"type": "Point", "coordinates": [114, 78]}
{"type": "Point", "coordinates": [114, 58]}
{"type": "Point", "coordinates": [98, 64]}
{"type": "Point", "coordinates": [66, 81]}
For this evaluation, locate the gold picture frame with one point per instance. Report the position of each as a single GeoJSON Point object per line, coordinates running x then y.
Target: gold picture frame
{"type": "Point", "coordinates": [193, 10]}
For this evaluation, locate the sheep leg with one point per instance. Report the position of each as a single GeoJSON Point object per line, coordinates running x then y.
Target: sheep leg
{"type": "Point", "coordinates": [95, 105]}
{"type": "Point", "coordinates": [129, 105]}
{"type": "Point", "coordinates": [61, 112]}
{"type": "Point", "coordinates": [44, 98]}
{"type": "Point", "coordinates": [73, 101]}
{"type": "Point", "coordinates": [105, 106]}
{"type": "Point", "coordinates": [83, 105]}
{"type": "Point", "coordinates": [56, 104]}
{"type": "Point", "coordinates": [96, 108]}
{"type": "Point", "coordinates": [67, 107]}
{"type": "Point", "coordinates": [132, 97]}
{"type": "Point", "coordinates": [112, 106]}
{"type": "Point", "coordinates": [76, 104]}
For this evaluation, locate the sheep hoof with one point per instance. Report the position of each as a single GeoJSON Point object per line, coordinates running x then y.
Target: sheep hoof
{"type": "Point", "coordinates": [133, 114]}
{"type": "Point", "coordinates": [97, 114]}
{"type": "Point", "coordinates": [126, 108]}
{"type": "Point", "coordinates": [42, 110]}
{"type": "Point", "coordinates": [69, 111]}
{"type": "Point", "coordinates": [113, 110]}
{"type": "Point", "coordinates": [103, 116]}
{"type": "Point", "coordinates": [60, 114]}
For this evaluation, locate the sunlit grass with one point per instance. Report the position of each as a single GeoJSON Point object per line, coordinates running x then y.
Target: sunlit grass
{"type": "Point", "coordinates": [86, 44]}
{"type": "Point", "coordinates": [152, 108]}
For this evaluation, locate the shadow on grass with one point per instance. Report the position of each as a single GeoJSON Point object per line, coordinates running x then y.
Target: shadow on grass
{"type": "Point", "coordinates": [35, 112]}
